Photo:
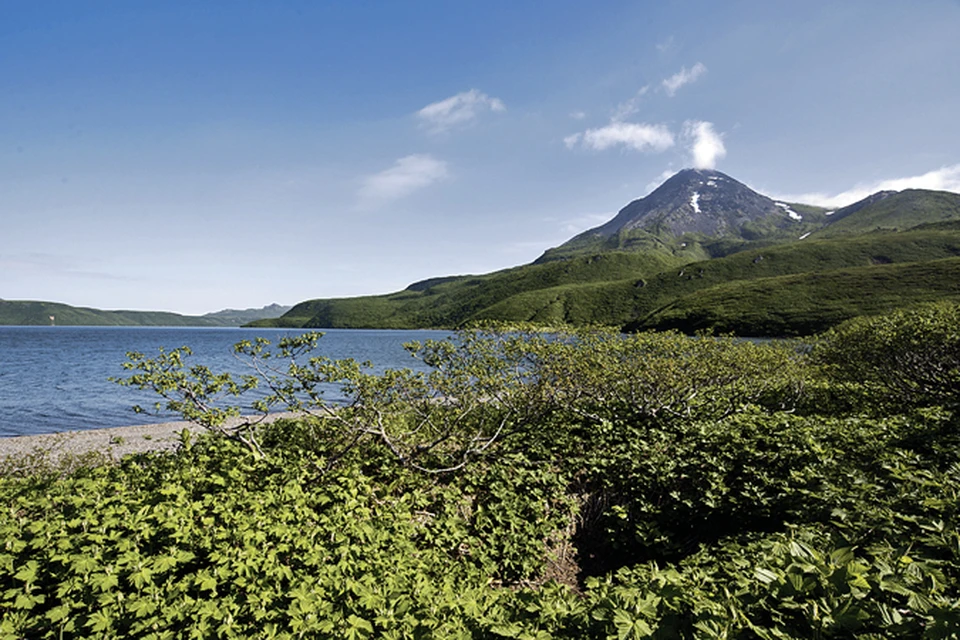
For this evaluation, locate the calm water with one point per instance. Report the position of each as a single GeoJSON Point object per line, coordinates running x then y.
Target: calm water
{"type": "Point", "coordinates": [55, 378]}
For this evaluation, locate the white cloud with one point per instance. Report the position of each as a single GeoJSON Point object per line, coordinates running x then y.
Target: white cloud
{"type": "Point", "coordinates": [666, 45]}
{"type": "Point", "coordinates": [457, 110]}
{"type": "Point", "coordinates": [942, 179]}
{"type": "Point", "coordinates": [408, 174]}
{"type": "Point", "coordinates": [628, 108]}
{"type": "Point", "coordinates": [672, 84]}
{"type": "Point", "coordinates": [641, 137]}
{"type": "Point", "coordinates": [706, 145]}
{"type": "Point", "coordinates": [571, 140]}
{"type": "Point", "coordinates": [578, 115]}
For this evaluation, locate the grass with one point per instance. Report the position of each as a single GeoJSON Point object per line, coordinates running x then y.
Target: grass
{"type": "Point", "coordinates": [905, 210]}
{"type": "Point", "coordinates": [456, 301]}
{"type": "Point", "coordinates": [33, 312]}
{"type": "Point", "coordinates": [807, 303]}
{"type": "Point", "coordinates": [618, 280]}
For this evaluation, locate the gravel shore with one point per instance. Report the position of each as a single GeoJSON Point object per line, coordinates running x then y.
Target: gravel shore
{"type": "Point", "coordinates": [114, 442]}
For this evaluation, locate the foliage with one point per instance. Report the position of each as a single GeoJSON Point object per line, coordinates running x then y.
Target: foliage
{"type": "Point", "coordinates": [807, 304]}
{"type": "Point", "coordinates": [907, 358]}
{"type": "Point", "coordinates": [33, 313]}
{"type": "Point", "coordinates": [563, 485]}
{"type": "Point", "coordinates": [454, 302]}
{"type": "Point", "coordinates": [904, 210]}
{"type": "Point", "coordinates": [647, 280]}
{"type": "Point", "coordinates": [215, 543]}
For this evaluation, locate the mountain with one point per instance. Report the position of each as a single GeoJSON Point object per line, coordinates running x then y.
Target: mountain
{"type": "Point", "coordinates": [684, 255]}
{"type": "Point", "coordinates": [35, 312]}
{"type": "Point", "coordinates": [807, 303]}
{"type": "Point", "coordinates": [238, 317]}
{"type": "Point", "coordinates": [893, 211]}
{"type": "Point", "coordinates": [698, 208]}
{"type": "Point", "coordinates": [453, 301]}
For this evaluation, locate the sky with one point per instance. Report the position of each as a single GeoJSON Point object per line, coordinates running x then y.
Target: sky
{"type": "Point", "coordinates": [194, 156]}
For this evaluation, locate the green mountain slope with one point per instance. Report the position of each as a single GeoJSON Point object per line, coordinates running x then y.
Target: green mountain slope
{"type": "Point", "coordinates": [807, 303]}
{"type": "Point", "coordinates": [238, 317]}
{"type": "Point", "coordinates": [612, 288]}
{"type": "Point", "coordinates": [904, 210]}
{"type": "Point", "coordinates": [34, 312]}
{"type": "Point", "coordinates": [620, 302]}
{"type": "Point", "coordinates": [698, 230]}
{"type": "Point", "coordinates": [31, 312]}
{"type": "Point", "coordinates": [451, 302]}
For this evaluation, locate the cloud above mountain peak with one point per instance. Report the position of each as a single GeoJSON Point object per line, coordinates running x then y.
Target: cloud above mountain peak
{"type": "Point", "coordinates": [706, 145]}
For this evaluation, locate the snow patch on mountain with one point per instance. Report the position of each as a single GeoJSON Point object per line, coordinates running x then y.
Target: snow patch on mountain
{"type": "Point", "coordinates": [695, 201]}
{"type": "Point", "coordinates": [790, 212]}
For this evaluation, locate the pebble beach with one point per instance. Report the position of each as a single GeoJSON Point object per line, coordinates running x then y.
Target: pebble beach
{"type": "Point", "coordinates": [114, 443]}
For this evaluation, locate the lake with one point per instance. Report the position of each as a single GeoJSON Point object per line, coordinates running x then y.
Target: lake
{"type": "Point", "coordinates": [56, 378]}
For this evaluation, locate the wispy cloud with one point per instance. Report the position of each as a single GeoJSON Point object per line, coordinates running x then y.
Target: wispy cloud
{"type": "Point", "coordinates": [672, 84]}
{"type": "Point", "coordinates": [578, 115]}
{"type": "Point", "coordinates": [407, 175]}
{"type": "Point", "coordinates": [458, 110]}
{"type": "Point", "coordinates": [706, 145]}
{"type": "Point", "coordinates": [942, 179]}
{"type": "Point", "coordinates": [629, 107]}
{"type": "Point", "coordinates": [641, 137]}
{"type": "Point", "coordinates": [666, 45]}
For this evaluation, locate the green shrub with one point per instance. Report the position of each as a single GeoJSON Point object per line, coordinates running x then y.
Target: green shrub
{"type": "Point", "coordinates": [565, 485]}
{"type": "Point", "coordinates": [906, 358]}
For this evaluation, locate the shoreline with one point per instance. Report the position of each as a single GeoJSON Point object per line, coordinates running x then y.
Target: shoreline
{"type": "Point", "coordinates": [112, 442]}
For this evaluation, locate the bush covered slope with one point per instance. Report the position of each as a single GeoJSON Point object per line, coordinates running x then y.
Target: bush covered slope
{"type": "Point", "coordinates": [455, 301]}
{"type": "Point", "coordinates": [807, 303]}
{"type": "Point", "coordinates": [621, 272]}
{"type": "Point", "coordinates": [32, 313]}
{"type": "Point", "coordinates": [570, 486]}
{"type": "Point", "coordinates": [28, 312]}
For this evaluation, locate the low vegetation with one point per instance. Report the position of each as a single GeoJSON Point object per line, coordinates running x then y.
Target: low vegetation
{"type": "Point", "coordinates": [562, 485]}
{"type": "Point", "coordinates": [667, 290]}
{"type": "Point", "coordinates": [807, 303]}
{"type": "Point", "coordinates": [34, 313]}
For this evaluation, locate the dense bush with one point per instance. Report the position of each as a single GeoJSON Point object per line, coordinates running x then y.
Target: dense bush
{"type": "Point", "coordinates": [531, 486]}
{"type": "Point", "coordinates": [910, 357]}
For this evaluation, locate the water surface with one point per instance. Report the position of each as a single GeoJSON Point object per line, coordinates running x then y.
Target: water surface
{"type": "Point", "coordinates": [56, 378]}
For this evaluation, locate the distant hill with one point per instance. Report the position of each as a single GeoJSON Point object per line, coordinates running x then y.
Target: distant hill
{"type": "Point", "coordinates": [452, 301]}
{"type": "Point", "coordinates": [892, 211]}
{"type": "Point", "coordinates": [699, 236]}
{"type": "Point", "coordinates": [621, 302]}
{"type": "Point", "coordinates": [238, 317]}
{"type": "Point", "coordinates": [807, 303]}
{"type": "Point", "coordinates": [33, 312]}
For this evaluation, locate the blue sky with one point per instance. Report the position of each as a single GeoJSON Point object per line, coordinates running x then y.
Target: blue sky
{"type": "Point", "coordinates": [193, 156]}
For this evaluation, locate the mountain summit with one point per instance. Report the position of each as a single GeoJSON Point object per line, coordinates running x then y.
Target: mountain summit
{"type": "Point", "coordinates": [693, 201]}
{"type": "Point", "coordinates": [697, 204]}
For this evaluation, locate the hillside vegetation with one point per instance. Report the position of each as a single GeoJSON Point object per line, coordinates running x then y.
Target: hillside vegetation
{"type": "Point", "coordinates": [28, 312]}
{"type": "Point", "coordinates": [451, 302]}
{"type": "Point", "coordinates": [621, 288]}
{"type": "Point", "coordinates": [576, 485]}
{"type": "Point", "coordinates": [699, 231]}
{"type": "Point", "coordinates": [32, 312]}
{"type": "Point", "coordinates": [806, 303]}
{"type": "Point", "coordinates": [897, 212]}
